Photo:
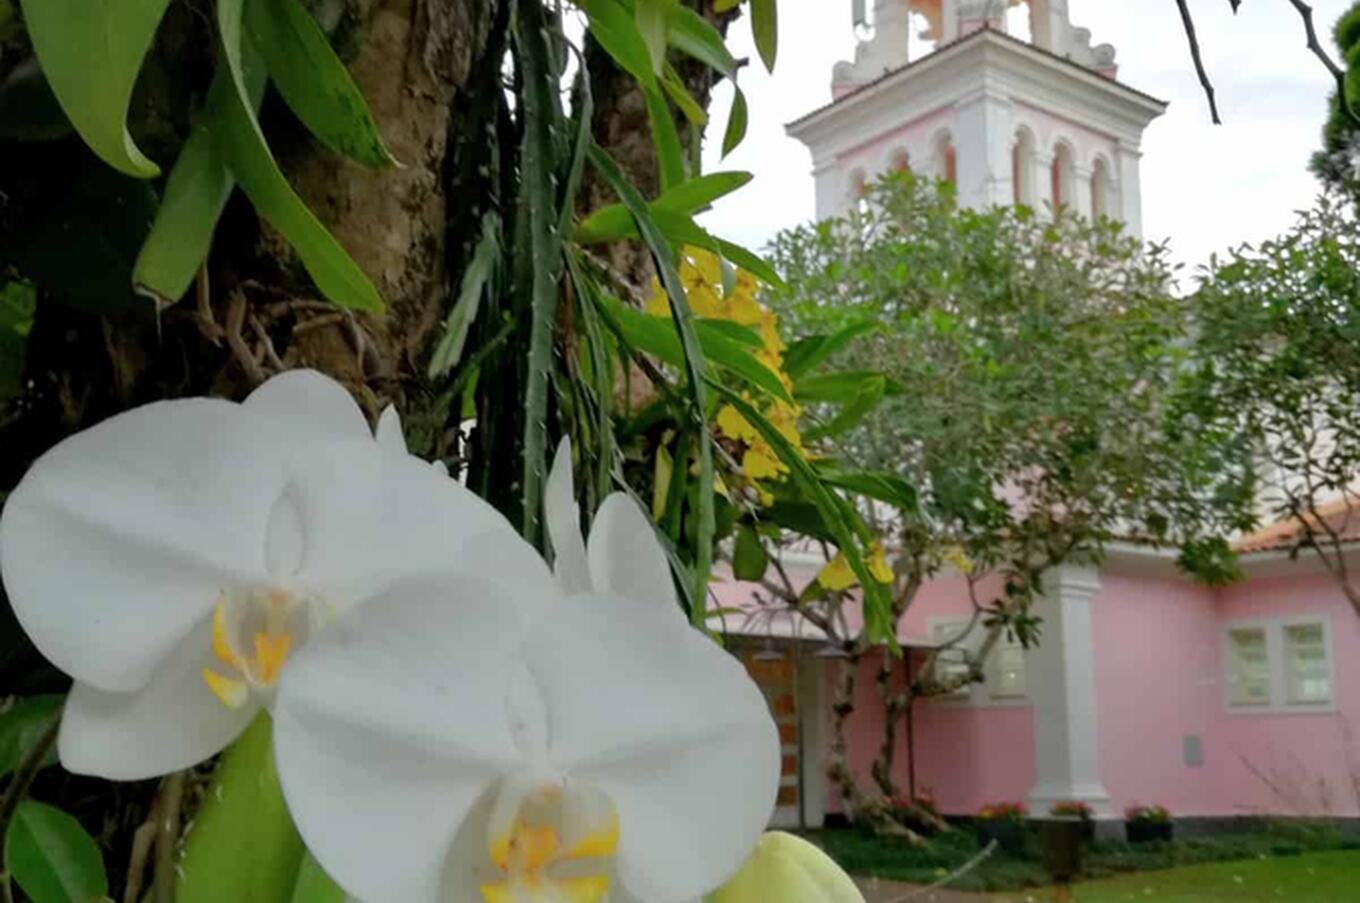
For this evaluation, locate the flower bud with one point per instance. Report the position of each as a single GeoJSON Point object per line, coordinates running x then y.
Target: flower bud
{"type": "Point", "coordinates": [787, 869]}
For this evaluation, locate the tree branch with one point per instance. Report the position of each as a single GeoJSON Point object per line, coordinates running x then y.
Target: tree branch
{"type": "Point", "coordinates": [1189, 24]}
{"type": "Point", "coordinates": [1306, 14]}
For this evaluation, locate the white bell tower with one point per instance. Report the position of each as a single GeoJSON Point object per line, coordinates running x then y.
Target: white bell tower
{"type": "Point", "coordinates": [1004, 98]}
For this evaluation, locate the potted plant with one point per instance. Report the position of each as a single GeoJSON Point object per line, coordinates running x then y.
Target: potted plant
{"type": "Point", "coordinates": [1076, 809]}
{"type": "Point", "coordinates": [1004, 823]}
{"type": "Point", "coordinates": [1146, 823]}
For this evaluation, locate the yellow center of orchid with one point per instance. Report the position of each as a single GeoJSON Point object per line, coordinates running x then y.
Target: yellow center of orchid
{"type": "Point", "coordinates": [542, 863]}
{"type": "Point", "coordinates": [252, 635]}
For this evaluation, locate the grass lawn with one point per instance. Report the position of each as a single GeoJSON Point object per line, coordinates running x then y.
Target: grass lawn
{"type": "Point", "coordinates": [1307, 878]}
{"type": "Point", "coordinates": [1284, 847]}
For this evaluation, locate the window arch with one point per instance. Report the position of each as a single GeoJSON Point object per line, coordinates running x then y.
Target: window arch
{"type": "Point", "coordinates": [946, 162]}
{"type": "Point", "coordinates": [1022, 167]}
{"type": "Point", "coordinates": [1100, 189]}
{"type": "Point", "coordinates": [857, 190]}
{"type": "Point", "coordinates": [899, 160]}
{"type": "Point", "coordinates": [1064, 175]}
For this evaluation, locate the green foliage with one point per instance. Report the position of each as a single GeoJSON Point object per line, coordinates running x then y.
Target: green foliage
{"type": "Point", "coordinates": [22, 725]}
{"type": "Point", "coordinates": [74, 39]}
{"type": "Point", "coordinates": [1277, 368]}
{"type": "Point", "coordinates": [52, 857]}
{"type": "Point", "coordinates": [1335, 164]}
{"type": "Point", "coordinates": [1027, 367]}
{"type": "Point", "coordinates": [314, 885]}
{"type": "Point", "coordinates": [18, 300]}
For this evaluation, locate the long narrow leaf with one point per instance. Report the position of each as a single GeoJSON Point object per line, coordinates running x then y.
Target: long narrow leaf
{"type": "Point", "coordinates": [692, 34]}
{"type": "Point", "coordinates": [806, 354]}
{"type": "Point", "coordinates": [695, 366]}
{"type": "Point", "coordinates": [91, 54]}
{"type": "Point", "coordinates": [246, 153]}
{"type": "Point", "coordinates": [765, 30]}
{"type": "Point", "coordinates": [313, 81]}
{"type": "Point", "coordinates": [470, 290]}
{"type": "Point", "coordinates": [544, 251]}
{"type": "Point", "coordinates": [613, 222]}
{"type": "Point", "coordinates": [737, 121]}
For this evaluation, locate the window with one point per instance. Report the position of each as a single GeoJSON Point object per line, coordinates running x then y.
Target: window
{"type": "Point", "coordinates": [1006, 669]}
{"type": "Point", "coordinates": [1003, 672]}
{"type": "Point", "coordinates": [1278, 665]}
{"type": "Point", "coordinates": [1309, 677]}
{"type": "Point", "coordinates": [1248, 667]}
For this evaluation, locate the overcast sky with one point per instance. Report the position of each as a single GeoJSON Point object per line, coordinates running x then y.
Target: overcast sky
{"type": "Point", "coordinates": [1205, 187]}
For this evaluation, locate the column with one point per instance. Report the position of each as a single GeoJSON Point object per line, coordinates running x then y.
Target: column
{"type": "Point", "coordinates": [1081, 190]}
{"type": "Point", "coordinates": [830, 188]}
{"type": "Point", "coordinates": [983, 132]}
{"type": "Point", "coordinates": [1043, 182]}
{"type": "Point", "coordinates": [1130, 188]}
{"type": "Point", "coordinates": [1062, 684]}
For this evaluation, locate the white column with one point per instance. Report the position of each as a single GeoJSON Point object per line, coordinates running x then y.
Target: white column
{"type": "Point", "coordinates": [983, 132]}
{"type": "Point", "coordinates": [1043, 182]}
{"type": "Point", "coordinates": [1081, 191]}
{"type": "Point", "coordinates": [1130, 188]}
{"type": "Point", "coordinates": [831, 189]}
{"type": "Point", "coordinates": [1062, 684]}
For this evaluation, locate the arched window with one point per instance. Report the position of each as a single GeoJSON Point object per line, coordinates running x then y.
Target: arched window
{"type": "Point", "coordinates": [1063, 175]}
{"type": "Point", "coordinates": [1022, 167]}
{"type": "Point", "coordinates": [858, 193]}
{"type": "Point", "coordinates": [899, 161]}
{"type": "Point", "coordinates": [946, 166]}
{"type": "Point", "coordinates": [1100, 189]}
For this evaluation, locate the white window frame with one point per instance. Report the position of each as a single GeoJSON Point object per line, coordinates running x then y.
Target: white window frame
{"type": "Point", "coordinates": [978, 695]}
{"type": "Point", "coordinates": [1277, 662]}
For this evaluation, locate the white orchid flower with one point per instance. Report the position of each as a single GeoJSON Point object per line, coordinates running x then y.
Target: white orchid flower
{"type": "Point", "coordinates": [431, 749]}
{"type": "Point", "coordinates": [173, 558]}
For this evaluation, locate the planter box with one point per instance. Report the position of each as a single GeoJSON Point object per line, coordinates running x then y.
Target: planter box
{"type": "Point", "coordinates": [1147, 831]}
{"type": "Point", "coordinates": [1009, 835]}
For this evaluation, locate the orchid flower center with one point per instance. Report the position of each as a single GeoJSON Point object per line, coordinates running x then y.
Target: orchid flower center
{"type": "Point", "coordinates": [553, 850]}
{"type": "Point", "coordinates": [252, 636]}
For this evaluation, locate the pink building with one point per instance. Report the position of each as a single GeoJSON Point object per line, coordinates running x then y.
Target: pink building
{"type": "Point", "coordinates": [1146, 688]}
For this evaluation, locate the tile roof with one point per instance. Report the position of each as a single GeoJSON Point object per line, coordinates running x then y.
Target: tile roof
{"type": "Point", "coordinates": [1341, 515]}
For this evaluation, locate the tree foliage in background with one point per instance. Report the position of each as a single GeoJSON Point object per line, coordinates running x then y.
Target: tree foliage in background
{"type": "Point", "coordinates": [1277, 365]}
{"type": "Point", "coordinates": [1027, 364]}
{"type": "Point", "coordinates": [1337, 164]}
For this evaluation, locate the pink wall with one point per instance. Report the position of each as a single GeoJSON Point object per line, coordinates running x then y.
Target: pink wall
{"type": "Point", "coordinates": [1313, 759]}
{"type": "Point", "coordinates": [1157, 681]}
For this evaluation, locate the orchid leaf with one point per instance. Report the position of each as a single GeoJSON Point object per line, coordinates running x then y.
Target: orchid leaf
{"type": "Point", "coordinates": [91, 54]}
{"type": "Point", "coordinates": [243, 845]}
{"type": "Point", "coordinates": [692, 34]}
{"type": "Point", "coordinates": [613, 222]}
{"type": "Point", "coordinates": [808, 353]}
{"type": "Point", "coordinates": [24, 724]}
{"type": "Point", "coordinates": [52, 857]}
{"type": "Point", "coordinates": [652, 18]}
{"type": "Point", "coordinates": [737, 121]}
{"type": "Point", "coordinates": [765, 30]}
{"type": "Point", "coordinates": [749, 558]}
{"type": "Point", "coordinates": [480, 271]}
{"type": "Point", "coordinates": [246, 153]}
{"type": "Point", "coordinates": [314, 885]}
{"type": "Point", "coordinates": [313, 81]}
{"type": "Point", "coordinates": [18, 301]}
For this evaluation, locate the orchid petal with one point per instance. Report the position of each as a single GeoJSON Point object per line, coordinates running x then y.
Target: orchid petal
{"type": "Point", "coordinates": [647, 710]}
{"type": "Point", "coordinates": [391, 726]}
{"type": "Point", "coordinates": [119, 539]}
{"type": "Point", "coordinates": [563, 518]}
{"type": "Point", "coordinates": [372, 519]}
{"type": "Point", "coordinates": [170, 724]}
{"type": "Point", "coordinates": [626, 558]}
{"type": "Point", "coordinates": [389, 433]}
{"type": "Point", "coordinates": [309, 406]}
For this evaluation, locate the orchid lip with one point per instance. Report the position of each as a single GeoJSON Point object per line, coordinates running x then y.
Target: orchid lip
{"type": "Point", "coordinates": [253, 634]}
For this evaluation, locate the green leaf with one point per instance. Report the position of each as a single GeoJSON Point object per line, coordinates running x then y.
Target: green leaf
{"type": "Point", "coordinates": [695, 364]}
{"type": "Point", "coordinates": [195, 196]}
{"type": "Point", "coordinates": [749, 559]}
{"type": "Point", "coordinates": [243, 147]}
{"type": "Point", "coordinates": [807, 353]}
{"type": "Point", "coordinates": [91, 54]}
{"type": "Point", "coordinates": [470, 290]}
{"type": "Point", "coordinates": [652, 17]}
{"type": "Point", "coordinates": [616, 29]}
{"type": "Point", "coordinates": [313, 81]}
{"type": "Point", "coordinates": [656, 336]}
{"type": "Point", "coordinates": [883, 486]}
{"type": "Point", "coordinates": [52, 857]}
{"type": "Point", "coordinates": [735, 132]}
{"type": "Point", "coordinates": [847, 529]}
{"type": "Point", "coordinates": [843, 386]}
{"type": "Point", "coordinates": [742, 335]}
{"type": "Point", "coordinates": [23, 725]}
{"type": "Point", "coordinates": [18, 301]}
{"type": "Point", "coordinates": [867, 397]}
{"type": "Point", "coordinates": [765, 30]}
{"type": "Point", "coordinates": [692, 34]}
{"type": "Point", "coordinates": [682, 229]}
{"type": "Point", "coordinates": [675, 89]}
{"type": "Point", "coordinates": [613, 222]}
{"type": "Point", "coordinates": [243, 845]}
{"type": "Point", "coordinates": [314, 885]}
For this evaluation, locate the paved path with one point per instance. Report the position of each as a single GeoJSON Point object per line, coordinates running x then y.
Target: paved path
{"type": "Point", "coordinates": [879, 891]}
